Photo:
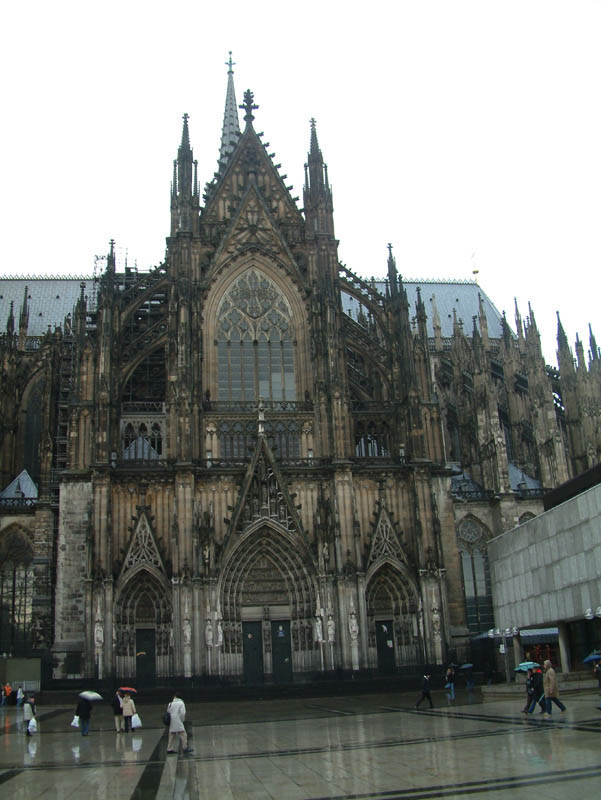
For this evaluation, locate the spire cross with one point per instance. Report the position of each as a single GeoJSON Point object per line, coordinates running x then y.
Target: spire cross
{"type": "Point", "coordinates": [248, 105]}
{"type": "Point", "coordinates": [186, 117]}
{"type": "Point", "coordinates": [389, 249]}
{"type": "Point", "coordinates": [230, 63]}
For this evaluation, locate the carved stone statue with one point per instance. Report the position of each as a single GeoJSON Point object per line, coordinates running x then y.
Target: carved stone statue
{"type": "Point", "coordinates": [331, 628]}
{"type": "Point", "coordinates": [318, 630]}
{"type": "Point", "coordinates": [209, 633]}
{"type": "Point", "coordinates": [187, 632]}
{"type": "Point", "coordinates": [219, 641]}
{"type": "Point", "coordinates": [98, 634]}
{"type": "Point", "coordinates": [353, 626]}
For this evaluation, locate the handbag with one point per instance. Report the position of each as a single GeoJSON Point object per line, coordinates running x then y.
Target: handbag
{"type": "Point", "coordinates": [75, 722]}
{"type": "Point", "coordinates": [33, 725]}
{"type": "Point", "coordinates": [136, 722]}
{"type": "Point", "coordinates": [166, 718]}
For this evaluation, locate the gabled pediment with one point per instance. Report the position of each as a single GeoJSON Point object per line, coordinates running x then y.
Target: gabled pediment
{"type": "Point", "coordinates": [250, 159]}
{"type": "Point", "coordinates": [143, 550]}
{"type": "Point", "coordinates": [252, 228]}
{"type": "Point", "coordinates": [385, 543]}
{"type": "Point", "coordinates": [264, 497]}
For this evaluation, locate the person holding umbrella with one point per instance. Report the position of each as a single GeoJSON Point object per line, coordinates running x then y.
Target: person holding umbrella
{"type": "Point", "coordinates": [538, 694]}
{"type": "Point", "coordinates": [128, 708]}
{"type": "Point", "coordinates": [118, 711]}
{"type": "Point", "coordinates": [529, 690]}
{"type": "Point", "coordinates": [84, 712]}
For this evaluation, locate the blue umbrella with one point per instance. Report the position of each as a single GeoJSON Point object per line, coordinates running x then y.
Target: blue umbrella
{"type": "Point", "coordinates": [466, 666]}
{"type": "Point", "coordinates": [595, 656]}
{"type": "Point", "coordinates": [526, 665]}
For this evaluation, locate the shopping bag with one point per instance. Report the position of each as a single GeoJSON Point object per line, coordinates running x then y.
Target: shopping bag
{"type": "Point", "coordinates": [166, 718]}
{"type": "Point", "coordinates": [33, 726]}
{"type": "Point", "coordinates": [75, 722]}
{"type": "Point", "coordinates": [136, 722]}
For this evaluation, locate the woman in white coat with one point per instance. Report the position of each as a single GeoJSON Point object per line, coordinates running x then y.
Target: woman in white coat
{"type": "Point", "coordinates": [177, 709]}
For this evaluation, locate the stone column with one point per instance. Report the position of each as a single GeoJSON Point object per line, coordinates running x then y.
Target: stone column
{"type": "Point", "coordinates": [564, 647]}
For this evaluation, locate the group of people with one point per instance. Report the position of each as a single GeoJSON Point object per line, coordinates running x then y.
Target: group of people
{"type": "Point", "coordinates": [542, 688]}
{"type": "Point", "coordinates": [449, 685]}
{"type": "Point", "coordinates": [123, 710]}
{"type": "Point", "coordinates": [8, 696]}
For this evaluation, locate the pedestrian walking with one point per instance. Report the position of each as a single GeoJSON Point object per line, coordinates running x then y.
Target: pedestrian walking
{"type": "Point", "coordinates": [551, 689]}
{"type": "Point", "coordinates": [538, 692]}
{"type": "Point", "coordinates": [8, 690]}
{"type": "Point", "coordinates": [84, 712]}
{"type": "Point", "coordinates": [529, 691]}
{"type": "Point", "coordinates": [177, 731]}
{"type": "Point", "coordinates": [29, 714]}
{"type": "Point", "coordinates": [425, 691]}
{"type": "Point", "coordinates": [3, 698]}
{"type": "Point", "coordinates": [20, 696]}
{"type": "Point", "coordinates": [118, 711]}
{"type": "Point", "coordinates": [128, 707]}
{"type": "Point", "coordinates": [450, 683]}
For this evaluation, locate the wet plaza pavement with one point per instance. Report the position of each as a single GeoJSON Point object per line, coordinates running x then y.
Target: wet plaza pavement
{"type": "Point", "coordinates": [368, 746]}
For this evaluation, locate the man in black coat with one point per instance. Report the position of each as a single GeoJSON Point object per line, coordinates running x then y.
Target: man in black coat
{"type": "Point", "coordinates": [538, 693]}
{"type": "Point", "coordinates": [425, 692]}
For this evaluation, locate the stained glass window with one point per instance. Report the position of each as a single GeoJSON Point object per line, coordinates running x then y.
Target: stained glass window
{"type": "Point", "coordinates": [255, 342]}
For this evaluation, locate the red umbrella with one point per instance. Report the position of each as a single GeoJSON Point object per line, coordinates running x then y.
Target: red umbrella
{"type": "Point", "coordinates": [128, 689]}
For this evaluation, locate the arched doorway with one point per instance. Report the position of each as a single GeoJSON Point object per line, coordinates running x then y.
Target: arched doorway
{"type": "Point", "coordinates": [268, 599]}
{"type": "Point", "coordinates": [392, 610]}
{"type": "Point", "coordinates": [143, 629]}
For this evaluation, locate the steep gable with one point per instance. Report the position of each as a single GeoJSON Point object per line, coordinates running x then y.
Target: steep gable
{"type": "Point", "coordinates": [250, 162]}
{"type": "Point", "coordinates": [385, 543]}
{"type": "Point", "coordinates": [253, 228]}
{"type": "Point", "coordinates": [143, 549]}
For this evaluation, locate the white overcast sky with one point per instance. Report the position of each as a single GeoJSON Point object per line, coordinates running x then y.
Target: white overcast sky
{"type": "Point", "coordinates": [467, 133]}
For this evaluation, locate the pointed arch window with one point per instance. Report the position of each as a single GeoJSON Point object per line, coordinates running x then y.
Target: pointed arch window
{"type": "Point", "coordinates": [16, 593]}
{"type": "Point", "coordinates": [255, 342]}
{"type": "Point", "coordinates": [475, 575]}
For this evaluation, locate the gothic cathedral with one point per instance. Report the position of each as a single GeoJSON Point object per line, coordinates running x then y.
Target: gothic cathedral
{"type": "Point", "coordinates": [250, 464]}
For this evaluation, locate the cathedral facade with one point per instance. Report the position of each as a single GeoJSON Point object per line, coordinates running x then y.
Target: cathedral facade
{"type": "Point", "coordinates": [251, 464]}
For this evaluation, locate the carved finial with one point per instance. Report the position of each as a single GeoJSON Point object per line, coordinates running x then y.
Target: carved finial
{"type": "Point", "coordinates": [249, 106]}
{"type": "Point", "coordinates": [229, 63]}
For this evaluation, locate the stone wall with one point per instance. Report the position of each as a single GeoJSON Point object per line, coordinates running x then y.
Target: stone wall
{"type": "Point", "coordinates": [548, 570]}
{"type": "Point", "coordinates": [71, 572]}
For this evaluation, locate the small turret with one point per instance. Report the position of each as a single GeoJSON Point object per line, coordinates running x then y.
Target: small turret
{"type": "Point", "coordinates": [483, 322]}
{"type": "Point", "coordinates": [565, 359]}
{"type": "Point", "coordinates": [10, 322]}
{"type": "Point", "coordinates": [24, 319]}
{"type": "Point", "coordinates": [317, 191]}
{"type": "Point", "coordinates": [392, 273]}
{"type": "Point", "coordinates": [184, 187]}
{"type": "Point", "coordinates": [594, 354]}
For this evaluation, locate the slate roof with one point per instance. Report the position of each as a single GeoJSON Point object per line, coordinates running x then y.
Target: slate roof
{"type": "Point", "coordinates": [20, 487]}
{"type": "Point", "coordinates": [459, 295]}
{"type": "Point", "coordinates": [49, 299]}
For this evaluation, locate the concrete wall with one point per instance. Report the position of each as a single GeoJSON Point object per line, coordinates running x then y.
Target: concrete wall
{"type": "Point", "coordinates": [548, 570]}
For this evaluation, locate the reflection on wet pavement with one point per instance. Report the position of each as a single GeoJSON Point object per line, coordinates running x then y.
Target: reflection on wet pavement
{"type": "Point", "coordinates": [369, 746]}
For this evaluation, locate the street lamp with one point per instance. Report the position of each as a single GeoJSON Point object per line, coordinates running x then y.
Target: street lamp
{"type": "Point", "coordinates": [506, 633]}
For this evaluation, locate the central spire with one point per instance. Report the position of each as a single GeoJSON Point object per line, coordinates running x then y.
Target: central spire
{"type": "Point", "coordinates": [231, 125]}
